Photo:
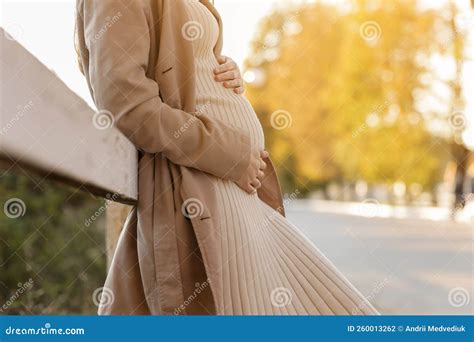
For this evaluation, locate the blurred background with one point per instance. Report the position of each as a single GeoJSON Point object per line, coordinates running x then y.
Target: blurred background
{"type": "Point", "coordinates": [368, 112]}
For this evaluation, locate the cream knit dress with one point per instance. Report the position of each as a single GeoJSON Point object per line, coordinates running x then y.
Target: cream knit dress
{"type": "Point", "coordinates": [271, 268]}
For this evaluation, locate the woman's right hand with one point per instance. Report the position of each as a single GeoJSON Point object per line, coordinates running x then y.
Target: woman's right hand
{"type": "Point", "coordinates": [251, 180]}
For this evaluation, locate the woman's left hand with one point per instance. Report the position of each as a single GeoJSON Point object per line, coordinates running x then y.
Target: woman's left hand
{"type": "Point", "coordinates": [229, 74]}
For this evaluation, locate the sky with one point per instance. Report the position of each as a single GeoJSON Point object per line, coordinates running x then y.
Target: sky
{"type": "Point", "coordinates": [46, 29]}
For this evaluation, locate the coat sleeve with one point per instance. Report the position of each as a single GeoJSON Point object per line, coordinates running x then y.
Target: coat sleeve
{"type": "Point", "coordinates": [117, 38]}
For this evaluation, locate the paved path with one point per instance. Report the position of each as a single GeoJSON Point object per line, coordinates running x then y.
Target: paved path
{"type": "Point", "coordinates": [405, 266]}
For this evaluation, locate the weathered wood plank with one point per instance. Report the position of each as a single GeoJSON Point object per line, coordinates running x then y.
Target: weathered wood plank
{"type": "Point", "coordinates": [47, 127]}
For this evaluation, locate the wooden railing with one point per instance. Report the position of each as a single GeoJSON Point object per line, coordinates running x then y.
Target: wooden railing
{"type": "Point", "coordinates": [46, 127]}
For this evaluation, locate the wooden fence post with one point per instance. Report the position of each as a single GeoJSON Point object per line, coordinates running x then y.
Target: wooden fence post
{"type": "Point", "coordinates": [116, 215]}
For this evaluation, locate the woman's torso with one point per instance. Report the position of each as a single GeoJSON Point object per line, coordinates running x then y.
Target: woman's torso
{"type": "Point", "coordinates": [211, 97]}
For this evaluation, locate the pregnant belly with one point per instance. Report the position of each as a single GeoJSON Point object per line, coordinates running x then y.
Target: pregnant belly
{"type": "Point", "coordinates": [231, 108]}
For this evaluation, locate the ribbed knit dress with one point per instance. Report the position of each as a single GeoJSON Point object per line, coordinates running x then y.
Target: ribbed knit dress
{"type": "Point", "coordinates": [271, 268]}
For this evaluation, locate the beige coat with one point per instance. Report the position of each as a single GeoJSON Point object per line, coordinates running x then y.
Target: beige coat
{"type": "Point", "coordinates": [140, 68]}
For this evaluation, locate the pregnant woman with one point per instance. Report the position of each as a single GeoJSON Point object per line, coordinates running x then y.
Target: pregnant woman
{"type": "Point", "coordinates": [208, 234]}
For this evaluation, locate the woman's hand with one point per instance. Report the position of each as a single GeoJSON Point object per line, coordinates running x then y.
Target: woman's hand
{"type": "Point", "coordinates": [229, 74]}
{"type": "Point", "coordinates": [251, 180]}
